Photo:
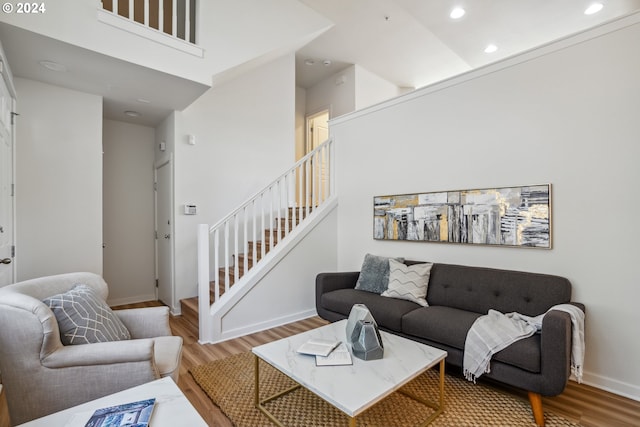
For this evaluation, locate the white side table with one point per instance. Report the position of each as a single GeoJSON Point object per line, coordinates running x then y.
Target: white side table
{"type": "Point", "coordinates": [172, 407]}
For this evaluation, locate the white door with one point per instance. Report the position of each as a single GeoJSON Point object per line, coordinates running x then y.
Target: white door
{"type": "Point", "coordinates": [317, 133]}
{"type": "Point", "coordinates": [164, 233]}
{"type": "Point", "coordinates": [7, 264]}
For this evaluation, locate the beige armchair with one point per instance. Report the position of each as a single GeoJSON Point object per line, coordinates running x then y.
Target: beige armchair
{"type": "Point", "coordinates": [41, 375]}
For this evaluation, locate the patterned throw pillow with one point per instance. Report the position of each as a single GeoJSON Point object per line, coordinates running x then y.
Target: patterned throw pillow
{"type": "Point", "coordinates": [374, 274]}
{"type": "Point", "coordinates": [83, 317]}
{"type": "Point", "coordinates": [408, 282]}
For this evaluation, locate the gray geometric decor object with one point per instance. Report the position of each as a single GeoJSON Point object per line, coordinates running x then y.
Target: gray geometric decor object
{"type": "Point", "coordinates": [366, 342]}
{"type": "Point", "coordinates": [358, 312]}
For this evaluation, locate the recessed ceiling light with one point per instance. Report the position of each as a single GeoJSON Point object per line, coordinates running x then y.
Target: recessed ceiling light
{"type": "Point", "coordinates": [143, 101]}
{"type": "Point", "coordinates": [132, 113]}
{"type": "Point", "coordinates": [490, 48]}
{"type": "Point", "coordinates": [53, 66]}
{"type": "Point", "coordinates": [309, 62]}
{"type": "Point", "coordinates": [594, 8]}
{"type": "Point", "coordinates": [457, 13]}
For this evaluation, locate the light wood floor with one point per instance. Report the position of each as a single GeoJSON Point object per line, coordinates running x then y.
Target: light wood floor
{"type": "Point", "coordinates": [589, 406]}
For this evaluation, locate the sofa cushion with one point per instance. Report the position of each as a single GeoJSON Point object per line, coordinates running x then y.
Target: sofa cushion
{"type": "Point", "coordinates": [408, 282]}
{"type": "Point", "coordinates": [449, 326]}
{"type": "Point", "coordinates": [479, 289]}
{"type": "Point", "coordinates": [441, 324]}
{"type": "Point", "coordinates": [387, 312]}
{"type": "Point", "coordinates": [84, 317]}
{"type": "Point", "coordinates": [524, 354]}
{"type": "Point", "coordinates": [374, 274]}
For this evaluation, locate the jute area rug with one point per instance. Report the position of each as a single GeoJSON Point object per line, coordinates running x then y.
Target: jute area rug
{"type": "Point", "coordinates": [230, 385]}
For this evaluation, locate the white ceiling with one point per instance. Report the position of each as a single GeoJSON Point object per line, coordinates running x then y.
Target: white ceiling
{"type": "Point", "coordinates": [124, 86]}
{"type": "Point", "coordinates": [413, 43]}
{"type": "Point", "coordinates": [410, 43]}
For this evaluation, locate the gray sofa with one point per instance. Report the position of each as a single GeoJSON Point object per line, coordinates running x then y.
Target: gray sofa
{"type": "Point", "coordinates": [457, 295]}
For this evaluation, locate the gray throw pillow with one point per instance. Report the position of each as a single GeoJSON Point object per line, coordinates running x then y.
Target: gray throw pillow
{"type": "Point", "coordinates": [84, 317]}
{"type": "Point", "coordinates": [374, 274]}
{"type": "Point", "coordinates": [409, 282]}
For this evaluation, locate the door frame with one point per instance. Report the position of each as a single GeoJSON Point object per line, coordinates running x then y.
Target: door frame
{"type": "Point", "coordinates": [164, 163]}
{"type": "Point", "coordinates": [308, 120]}
{"type": "Point", "coordinates": [8, 80]}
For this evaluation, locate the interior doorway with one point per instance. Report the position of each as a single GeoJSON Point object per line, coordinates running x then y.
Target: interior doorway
{"type": "Point", "coordinates": [7, 100]}
{"type": "Point", "coordinates": [317, 132]}
{"type": "Point", "coordinates": [164, 232]}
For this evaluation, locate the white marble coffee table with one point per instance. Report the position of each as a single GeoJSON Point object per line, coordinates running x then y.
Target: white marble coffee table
{"type": "Point", "coordinates": [172, 407]}
{"type": "Point", "coordinates": [352, 388]}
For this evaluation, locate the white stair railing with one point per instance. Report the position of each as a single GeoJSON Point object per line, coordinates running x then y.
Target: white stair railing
{"type": "Point", "coordinates": [259, 224]}
{"type": "Point", "coordinates": [173, 17]}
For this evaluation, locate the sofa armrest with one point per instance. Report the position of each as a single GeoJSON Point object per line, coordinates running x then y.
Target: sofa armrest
{"type": "Point", "coordinates": [147, 322]}
{"type": "Point", "coordinates": [327, 282]}
{"type": "Point", "coordinates": [555, 350]}
{"type": "Point", "coordinates": [105, 353]}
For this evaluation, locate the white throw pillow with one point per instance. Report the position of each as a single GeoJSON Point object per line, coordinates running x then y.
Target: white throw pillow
{"type": "Point", "coordinates": [408, 282]}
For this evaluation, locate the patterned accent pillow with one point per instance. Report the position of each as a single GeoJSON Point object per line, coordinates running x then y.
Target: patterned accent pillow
{"type": "Point", "coordinates": [408, 282]}
{"type": "Point", "coordinates": [374, 274]}
{"type": "Point", "coordinates": [84, 318]}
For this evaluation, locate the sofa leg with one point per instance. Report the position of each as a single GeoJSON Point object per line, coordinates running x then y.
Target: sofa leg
{"type": "Point", "coordinates": [536, 406]}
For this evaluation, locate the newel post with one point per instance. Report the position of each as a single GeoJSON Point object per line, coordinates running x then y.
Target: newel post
{"type": "Point", "coordinates": [204, 320]}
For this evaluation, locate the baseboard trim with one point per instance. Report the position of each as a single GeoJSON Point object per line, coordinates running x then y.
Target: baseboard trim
{"type": "Point", "coordinates": [630, 391]}
{"type": "Point", "coordinates": [131, 300]}
{"type": "Point", "coordinates": [262, 326]}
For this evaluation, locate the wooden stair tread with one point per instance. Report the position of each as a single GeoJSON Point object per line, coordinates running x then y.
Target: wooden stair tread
{"type": "Point", "coordinates": [189, 306]}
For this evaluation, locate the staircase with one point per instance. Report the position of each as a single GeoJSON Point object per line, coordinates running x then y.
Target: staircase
{"type": "Point", "coordinates": [244, 245]}
{"type": "Point", "coordinates": [189, 306]}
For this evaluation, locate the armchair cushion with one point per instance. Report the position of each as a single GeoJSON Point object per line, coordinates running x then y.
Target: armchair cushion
{"type": "Point", "coordinates": [85, 318]}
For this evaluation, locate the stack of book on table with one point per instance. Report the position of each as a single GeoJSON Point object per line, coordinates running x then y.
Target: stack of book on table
{"type": "Point", "coordinates": [327, 352]}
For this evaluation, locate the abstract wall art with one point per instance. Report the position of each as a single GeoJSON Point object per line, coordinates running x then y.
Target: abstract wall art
{"type": "Point", "coordinates": [505, 216]}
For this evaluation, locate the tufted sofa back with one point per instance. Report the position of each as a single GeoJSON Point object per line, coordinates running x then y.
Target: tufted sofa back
{"type": "Point", "coordinates": [479, 289]}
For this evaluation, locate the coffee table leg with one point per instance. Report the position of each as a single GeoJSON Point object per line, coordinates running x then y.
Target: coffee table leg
{"type": "Point", "coordinates": [260, 403]}
{"type": "Point", "coordinates": [441, 385]}
{"type": "Point", "coordinates": [256, 388]}
{"type": "Point", "coordinates": [439, 407]}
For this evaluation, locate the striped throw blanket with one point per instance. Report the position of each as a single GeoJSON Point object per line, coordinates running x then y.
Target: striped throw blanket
{"type": "Point", "coordinates": [488, 335]}
{"type": "Point", "coordinates": [495, 331]}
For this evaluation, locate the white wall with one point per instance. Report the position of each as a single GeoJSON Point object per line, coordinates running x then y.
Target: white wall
{"type": "Point", "coordinates": [352, 89]}
{"type": "Point", "coordinates": [287, 293]}
{"type": "Point", "coordinates": [58, 180]}
{"type": "Point", "coordinates": [301, 122]}
{"type": "Point", "coordinates": [336, 92]}
{"type": "Point", "coordinates": [371, 89]}
{"type": "Point", "coordinates": [128, 226]}
{"type": "Point", "coordinates": [565, 114]}
{"type": "Point", "coordinates": [244, 132]}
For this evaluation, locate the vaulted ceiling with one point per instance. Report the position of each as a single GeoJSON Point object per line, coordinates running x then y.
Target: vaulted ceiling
{"type": "Point", "coordinates": [415, 42]}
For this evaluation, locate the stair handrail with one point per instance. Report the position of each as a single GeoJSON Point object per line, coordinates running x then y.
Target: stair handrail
{"type": "Point", "coordinates": [248, 201]}
{"type": "Point", "coordinates": [313, 174]}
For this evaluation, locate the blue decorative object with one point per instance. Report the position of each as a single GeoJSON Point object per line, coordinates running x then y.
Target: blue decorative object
{"type": "Point", "coordinates": [366, 342]}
